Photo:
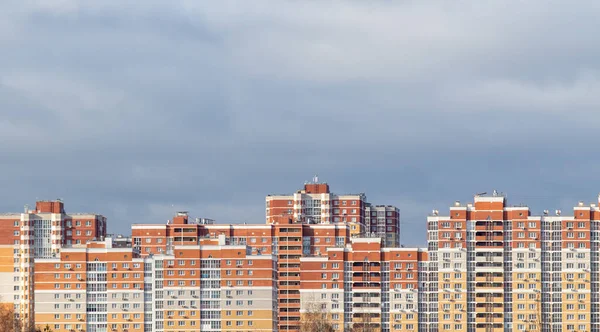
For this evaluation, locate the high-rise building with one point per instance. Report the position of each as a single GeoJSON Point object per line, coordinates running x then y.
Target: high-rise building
{"type": "Point", "coordinates": [316, 204]}
{"type": "Point", "coordinates": [92, 287]}
{"type": "Point", "coordinates": [498, 268]}
{"type": "Point", "coordinates": [489, 266]}
{"type": "Point", "coordinates": [38, 233]}
{"type": "Point", "coordinates": [286, 241]}
{"type": "Point", "coordinates": [364, 286]}
{"type": "Point", "coordinates": [209, 286]}
{"type": "Point", "coordinates": [188, 276]}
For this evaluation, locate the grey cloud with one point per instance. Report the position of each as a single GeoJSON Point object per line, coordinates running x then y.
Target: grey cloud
{"type": "Point", "coordinates": [135, 109]}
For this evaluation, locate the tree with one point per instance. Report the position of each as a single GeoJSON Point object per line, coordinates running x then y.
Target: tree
{"type": "Point", "coordinates": [45, 329]}
{"type": "Point", "coordinates": [11, 323]}
{"type": "Point", "coordinates": [8, 321]}
{"type": "Point", "coordinates": [315, 319]}
{"type": "Point", "coordinates": [365, 324]}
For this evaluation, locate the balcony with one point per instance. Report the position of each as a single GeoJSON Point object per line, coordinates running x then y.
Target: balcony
{"type": "Point", "coordinates": [363, 285]}
{"type": "Point", "coordinates": [490, 319]}
{"type": "Point", "coordinates": [486, 227]}
{"type": "Point", "coordinates": [489, 237]}
{"type": "Point", "coordinates": [289, 241]}
{"type": "Point", "coordinates": [289, 269]}
{"type": "Point", "coordinates": [495, 308]}
{"type": "Point", "coordinates": [489, 299]}
{"type": "Point", "coordinates": [290, 250]}
{"type": "Point", "coordinates": [481, 286]}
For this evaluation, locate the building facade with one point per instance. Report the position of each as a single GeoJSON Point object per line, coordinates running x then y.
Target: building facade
{"type": "Point", "coordinates": [210, 286]}
{"type": "Point", "coordinates": [286, 242]}
{"type": "Point", "coordinates": [498, 268]}
{"type": "Point", "coordinates": [38, 233]}
{"type": "Point", "coordinates": [364, 286]}
{"type": "Point", "coordinates": [316, 204]}
{"type": "Point", "coordinates": [488, 266]}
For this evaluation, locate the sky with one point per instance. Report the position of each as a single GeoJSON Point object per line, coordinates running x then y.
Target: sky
{"type": "Point", "coordinates": [137, 109]}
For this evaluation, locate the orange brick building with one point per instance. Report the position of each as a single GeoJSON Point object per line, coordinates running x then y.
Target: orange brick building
{"type": "Point", "coordinates": [209, 286]}
{"type": "Point", "coordinates": [364, 286]}
{"type": "Point", "coordinates": [316, 204]}
{"type": "Point", "coordinates": [91, 287]}
{"type": "Point", "coordinates": [285, 242]}
{"type": "Point", "coordinates": [37, 233]}
{"type": "Point", "coordinates": [489, 266]}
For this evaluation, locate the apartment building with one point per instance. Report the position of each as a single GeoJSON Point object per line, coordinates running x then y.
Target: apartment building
{"type": "Point", "coordinates": [498, 268]}
{"type": "Point", "coordinates": [383, 221]}
{"type": "Point", "coordinates": [316, 204]}
{"type": "Point", "coordinates": [489, 266]}
{"type": "Point", "coordinates": [37, 233]}
{"type": "Point", "coordinates": [285, 240]}
{"type": "Point", "coordinates": [189, 276]}
{"type": "Point", "coordinates": [91, 287]}
{"type": "Point", "coordinates": [364, 286]}
{"type": "Point", "coordinates": [209, 286]}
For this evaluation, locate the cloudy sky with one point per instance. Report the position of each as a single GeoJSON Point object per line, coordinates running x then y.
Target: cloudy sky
{"type": "Point", "coordinates": [135, 109]}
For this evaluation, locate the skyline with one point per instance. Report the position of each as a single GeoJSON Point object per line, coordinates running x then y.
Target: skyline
{"type": "Point", "coordinates": [403, 224]}
{"type": "Point", "coordinates": [128, 109]}
{"type": "Point", "coordinates": [488, 266]}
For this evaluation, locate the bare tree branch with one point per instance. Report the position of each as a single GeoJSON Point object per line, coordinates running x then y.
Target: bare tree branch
{"type": "Point", "coordinates": [315, 319]}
